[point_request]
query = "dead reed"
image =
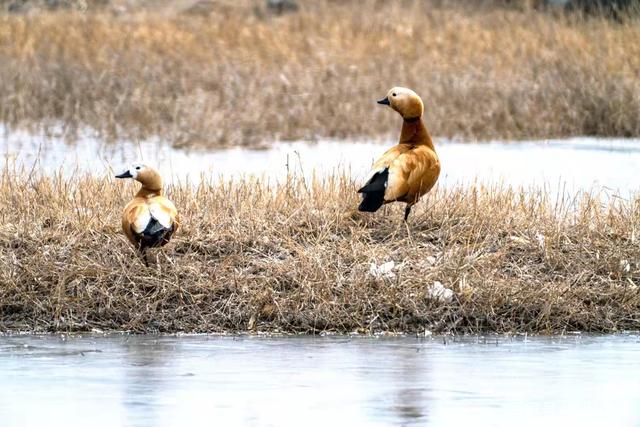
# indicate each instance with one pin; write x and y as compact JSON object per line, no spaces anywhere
{"x":293,"y":259}
{"x":238,"y":77}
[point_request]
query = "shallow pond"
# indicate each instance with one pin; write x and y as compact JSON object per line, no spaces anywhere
{"x":211,"y":380}
{"x":607,"y":166}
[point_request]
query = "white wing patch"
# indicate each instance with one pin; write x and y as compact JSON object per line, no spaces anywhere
{"x":392,"y":179}
{"x":160,"y":215}
{"x":141,"y":221}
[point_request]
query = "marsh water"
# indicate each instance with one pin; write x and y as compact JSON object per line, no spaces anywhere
{"x":597,"y":166}
{"x":109,"y":380}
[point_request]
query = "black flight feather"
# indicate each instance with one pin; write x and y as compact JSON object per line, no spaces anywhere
{"x":155,"y":234}
{"x":373,"y":192}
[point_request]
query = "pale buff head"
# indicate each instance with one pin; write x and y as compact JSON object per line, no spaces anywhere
{"x":145,"y":175}
{"x":404,"y":101}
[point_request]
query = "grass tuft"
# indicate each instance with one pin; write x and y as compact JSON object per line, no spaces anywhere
{"x":296,"y":258}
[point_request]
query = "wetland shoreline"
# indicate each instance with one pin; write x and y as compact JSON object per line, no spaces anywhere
{"x":295,"y":259}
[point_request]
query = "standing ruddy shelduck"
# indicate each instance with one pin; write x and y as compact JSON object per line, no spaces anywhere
{"x":410,"y":169}
{"x":150,"y":219}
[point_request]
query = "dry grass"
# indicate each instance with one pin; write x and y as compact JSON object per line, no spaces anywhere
{"x":288,"y":259}
{"x":240,"y":78}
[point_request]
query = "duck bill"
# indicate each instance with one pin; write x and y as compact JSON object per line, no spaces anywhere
{"x":384,"y":101}
{"x":126,"y":174}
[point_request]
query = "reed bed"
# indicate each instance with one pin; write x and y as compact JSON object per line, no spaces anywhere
{"x":239,"y":76}
{"x":295,"y":258}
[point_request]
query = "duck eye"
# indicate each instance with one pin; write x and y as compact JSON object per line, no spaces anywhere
{"x":393,"y":94}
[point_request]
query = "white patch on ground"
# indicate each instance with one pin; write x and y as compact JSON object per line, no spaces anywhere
{"x":625,"y":266}
{"x":520,"y":241}
{"x":438,"y":292}
{"x":383,"y":271}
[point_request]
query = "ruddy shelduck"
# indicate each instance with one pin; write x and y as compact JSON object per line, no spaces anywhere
{"x":150,"y":219}
{"x":410,"y":169}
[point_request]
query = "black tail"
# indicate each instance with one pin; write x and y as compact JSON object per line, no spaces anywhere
{"x":155,"y":234}
{"x":373,"y":192}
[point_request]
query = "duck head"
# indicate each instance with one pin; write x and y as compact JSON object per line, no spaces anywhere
{"x":405,"y":101}
{"x":145,"y":175}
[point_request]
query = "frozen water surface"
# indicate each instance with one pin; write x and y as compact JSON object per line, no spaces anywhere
{"x":112,"y":380}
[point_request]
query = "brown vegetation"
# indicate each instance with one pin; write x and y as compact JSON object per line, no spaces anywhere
{"x":290,"y":259}
{"x":238,"y":76}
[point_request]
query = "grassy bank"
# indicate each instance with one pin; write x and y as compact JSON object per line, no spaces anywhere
{"x":238,"y":77}
{"x":292,"y":259}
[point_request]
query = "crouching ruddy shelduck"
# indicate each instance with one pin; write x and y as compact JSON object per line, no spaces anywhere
{"x":150,"y":219}
{"x":410,"y":169}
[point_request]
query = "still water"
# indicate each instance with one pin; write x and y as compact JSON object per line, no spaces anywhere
{"x":598,"y":166}
{"x":203,"y":380}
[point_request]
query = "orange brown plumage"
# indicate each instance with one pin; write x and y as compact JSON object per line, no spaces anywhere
{"x":149,"y":219}
{"x":410,"y":169}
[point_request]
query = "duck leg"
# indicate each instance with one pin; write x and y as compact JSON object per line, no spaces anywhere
{"x":407,"y":211}
{"x":143,"y":252}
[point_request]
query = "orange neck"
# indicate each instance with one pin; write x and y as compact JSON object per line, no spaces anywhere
{"x":414,"y":132}
{"x":145,"y":192}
